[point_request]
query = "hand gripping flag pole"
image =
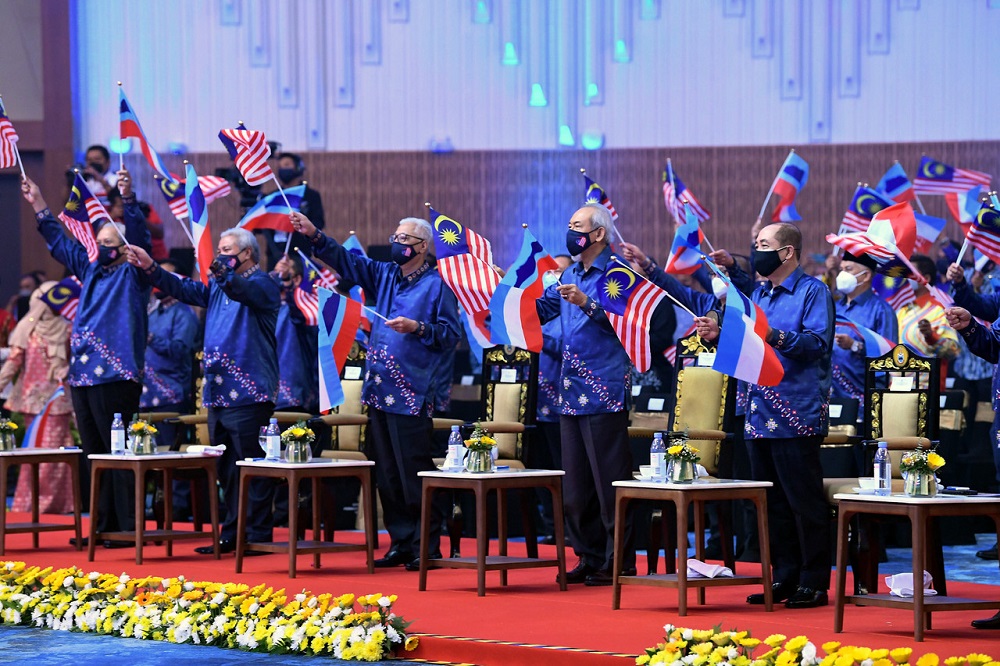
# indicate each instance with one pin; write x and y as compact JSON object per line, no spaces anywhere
{"x":310,"y":262}
{"x":615,"y":259}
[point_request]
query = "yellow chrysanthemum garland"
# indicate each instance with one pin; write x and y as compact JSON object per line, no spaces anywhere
{"x":694,"y":647}
{"x":176,"y":610}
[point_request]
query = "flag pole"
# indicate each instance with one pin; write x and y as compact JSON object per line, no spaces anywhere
{"x":275,"y":179}
{"x":363,"y":306}
{"x":17,"y":154}
{"x":774,"y":182}
{"x":187,"y":232}
{"x":288,"y":241}
{"x":121,"y":155}
{"x":916,"y":197}
{"x":614,"y":227}
{"x":961,"y":253}
{"x":673,"y":188}
{"x":679,"y":304}
{"x":994,"y":200}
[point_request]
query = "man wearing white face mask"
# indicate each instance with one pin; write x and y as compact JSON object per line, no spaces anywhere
{"x":863,"y":307}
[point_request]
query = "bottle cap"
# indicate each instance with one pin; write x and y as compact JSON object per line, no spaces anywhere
{"x":118,"y":415}
{"x":454,"y":428}
{"x":883,"y":445}
{"x":274,"y":420}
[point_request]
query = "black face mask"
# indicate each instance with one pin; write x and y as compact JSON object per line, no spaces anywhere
{"x":230,"y":261}
{"x":765,"y":262}
{"x":403,"y":253}
{"x":96,"y":166}
{"x":578,"y":241}
{"x":287,"y":175}
{"x":107,"y":255}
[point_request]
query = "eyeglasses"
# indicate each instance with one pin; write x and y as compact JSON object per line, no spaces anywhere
{"x":112,"y":246}
{"x":405,"y":239}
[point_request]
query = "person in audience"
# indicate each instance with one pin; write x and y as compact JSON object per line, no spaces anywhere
{"x":97,"y":172}
{"x":785,"y":424}
{"x":108,"y":341}
{"x":39,"y":359}
{"x":403,"y":367}
{"x":297,"y":339}
{"x":595,"y":397}
{"x":19,"y":302}
{"x":291,"y":173}
{"x":241,"y":366}
{"x":922,"y":323}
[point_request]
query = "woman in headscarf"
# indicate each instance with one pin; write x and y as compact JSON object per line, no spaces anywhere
{"x":39,"y":359}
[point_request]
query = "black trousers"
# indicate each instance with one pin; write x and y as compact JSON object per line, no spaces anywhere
{"x":95,"y":408}
{"x":595,"y":453}
{"x":402,"y":445}
{"x":797,"y":511}
{"x":238,"y":428}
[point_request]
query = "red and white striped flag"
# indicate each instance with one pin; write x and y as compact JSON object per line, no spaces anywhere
{"x":935,"y":177}
{"x":629,"y":300}
{"x":213,"y":187}
{"x":8,"y":137}
{"x":249,"y":151}
{"x":80,"y":215}
{"x":308,"y":305}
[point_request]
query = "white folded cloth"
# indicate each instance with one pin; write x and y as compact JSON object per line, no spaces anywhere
{"x":207,"y":450}
{"x":701,"y":470}
{"x":699,"y":569}
{"x":901,"y":585}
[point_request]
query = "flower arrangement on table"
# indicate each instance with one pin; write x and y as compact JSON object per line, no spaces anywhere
{"x":921,"y":461}
{"x":142,"y":427}
{"x":682,"y":451}
{"x":694,"y":647}
{"x":298,"y":442}
{"x":7,"y":427}
{"x":481,"y":439}
{"x":141,"y":434}
{"x":177,"y":610}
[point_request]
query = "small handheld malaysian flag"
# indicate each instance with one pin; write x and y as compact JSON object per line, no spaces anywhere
{"x":935,"y":177}
{"x":80,"y":215}
{"x":629,"y":300}
{"x":249,"y":150}
{"x":64,"y":297}
{"x":596,"y":195}
{"x":8,"y":140}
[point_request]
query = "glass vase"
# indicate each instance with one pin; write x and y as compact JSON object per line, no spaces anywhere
{"x":142,"y":445}
{"x":920,"y":484}
{"x":479,"y":462}
{"x":681,"y":471}
{"x":298,"y":452}
{"x":8,"y":441}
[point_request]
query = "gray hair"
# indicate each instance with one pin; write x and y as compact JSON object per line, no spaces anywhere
{"x":600,"y":217}
{"x":424,"y":229}
{"x":117,"y":225}
{"x":244,"y":239}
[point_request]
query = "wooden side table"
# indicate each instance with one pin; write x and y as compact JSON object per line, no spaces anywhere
{"x":294,"y":473}
{"x":139,"y":465}
{"x":920,"y":511}
{"x":481,"y":485}
{"x":33,"y":458}
{"x":683,"y":495}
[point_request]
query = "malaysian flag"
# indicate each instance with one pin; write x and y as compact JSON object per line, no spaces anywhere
{"x":64,"y":297}
{"x":596,"y":195}
{"x":305,"y":296}
{"x":629,"y":301}
{"x":675,"y":193}
{"x":935,"y":177}
{"x":984,"y":234}
{"x":8,"y":137}
{"x":249,"y":149}
{"x":864,"y":205}
{"x":212,"y":187}
{"x":465,"y":262}
{"x":896,"y":291}
{"x":80,"y":215}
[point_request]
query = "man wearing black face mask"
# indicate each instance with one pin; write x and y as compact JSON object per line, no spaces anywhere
{"x":405,"y":363}
{"x":785,"y":424}
{"x":291,"y":172}
{"x":97,"y":172}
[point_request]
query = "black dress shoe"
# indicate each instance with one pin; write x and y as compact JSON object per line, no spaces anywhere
{"x":604,"y":578}
{"x":225,"y":546}
{"x":989,"y":623}
{"x":779,"y":593}
{"x":547,"y":540}
{"x":579,"y":573}
{"x":807,"y":597}
{"x":84,"y":542}
{"x":414,"y":564}
{"x":988,"y":554}
{"x":118,"y":544}
{"x":394,"y":558}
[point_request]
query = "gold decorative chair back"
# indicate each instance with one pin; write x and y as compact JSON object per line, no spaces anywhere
{"x":352,"y":378}
{"x":704,"y":401}
{"x":510,"y":383}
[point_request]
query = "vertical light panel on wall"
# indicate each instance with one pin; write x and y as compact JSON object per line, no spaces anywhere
{"x":229,"y":12}
{"x":621,"y":30}
{"x":909,"y":5}
{"x":878,"y":27}
{"x":649,"y":10}
{"x":849,"y":48}
{"x":399,"y":11}
{"x":762,"y":29}
{"x":993,"y":4}
{"x":734,"y":8}
{"x":510,"y":32}
{"x":259,"y":28}
{"x":592,"y":52}
{"x":791,"y":49}
{"x":371,"y":29}
{"x":817,"y":20}
{"x":340,"y":54}
{"x":286,"y":26}
{"x":482,"y":11}
{"x":564,"y":52}
{"x":537,"y":46}
{"x":314,"y":86}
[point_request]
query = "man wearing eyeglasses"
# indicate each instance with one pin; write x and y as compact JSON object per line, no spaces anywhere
{"x":404,"y":365}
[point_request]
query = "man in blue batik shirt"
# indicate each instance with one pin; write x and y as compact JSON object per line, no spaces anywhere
{"x":785,"y":424}
{"x":863,"y":307}
{"x":241,"y":367}
{"x":108,"y":342}
{"x":405,"y":365}
{"x":596,"y":394}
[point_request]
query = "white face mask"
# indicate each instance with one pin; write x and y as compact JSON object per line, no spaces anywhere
{"x":549,"y":278}
{"x":719,"y":287}
{"x":846,"y":282}
{"x":913,"y":283}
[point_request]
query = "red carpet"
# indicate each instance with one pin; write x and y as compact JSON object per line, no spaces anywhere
{"x":531,"y":610}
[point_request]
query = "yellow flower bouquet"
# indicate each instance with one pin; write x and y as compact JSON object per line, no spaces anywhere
{"x":140,"y":427}
{"x":921,"y":462}
{"x":298,"y":442}
{"x":7,"y":427}
{"x":481,"y":439}
{"x":481,"y":446}
{"x":140,"y":435}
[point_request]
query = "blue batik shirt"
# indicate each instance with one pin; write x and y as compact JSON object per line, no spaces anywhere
{"x":241,"y":311}
{"x":596,"y":373}
{"x":173,"y":329}
{"x":298,"y":367}
{"x":108,"y":342}
{"x":982,"y":341}
{"x":404,"y":371}
{"x":800,"y":312}
{"x":549,"y":367}
{"x":872,"y":312}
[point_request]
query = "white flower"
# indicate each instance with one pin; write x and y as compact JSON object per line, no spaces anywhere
{"x":183,"y":632}
{"x":93,"y":575}
{"x":188,"y":587}
{"x":732,"y":653}
{"x":119,"y":588}
{"x":668,"y":628}
{"x":218,"y":599}
{"x":687,"y":634}
{"x":689,"y":659}
{"x":68,"y":581}
{"x":384,"y":602}
{"x":253,"y":608}
{"x":867,"y":662}
{"x":99,"y":370}
{"x":300,"y":597}
{"x":124,"y":578}
{"x":809,"y":654}
{"x":393,"y":635}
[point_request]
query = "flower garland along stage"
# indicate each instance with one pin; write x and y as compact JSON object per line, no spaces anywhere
{"x":693,"y":647}
{"x":176,"y":610}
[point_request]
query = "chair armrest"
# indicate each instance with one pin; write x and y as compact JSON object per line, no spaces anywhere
{"x":287,"y":418}
{"x":341,"y":419}
{"x":192,"y":419}
{"x":159,"y":417}
{"x":446,"y":424}
{"x":904,"y":443}
{"x":503,"y":427}
{"x":707,"y":434}
{"x":641,"y":432}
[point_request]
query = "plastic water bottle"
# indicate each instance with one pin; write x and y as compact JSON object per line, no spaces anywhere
{"x":658,"y":457}
{"x":273,"y":441}
{"x":455,"y":446}
{"x":118,"y":435}
{"x":883,"y":470}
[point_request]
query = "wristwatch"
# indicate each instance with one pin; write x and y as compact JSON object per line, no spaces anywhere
{"x":855,"y":346}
